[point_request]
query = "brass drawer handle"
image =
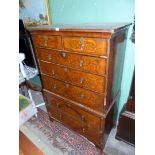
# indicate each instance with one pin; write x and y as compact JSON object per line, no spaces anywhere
{"x":65,"y":69}
{"x":81,"y":43}
{"x":64,"y":55}
{"x":53,"y":72}
{"x":81,"y":40}
{"x":81,"y":63}
{"x":81,"y":80}
{"x":67,"y":85}
{"x":83,"y":130}
{"x":45,"y":42}
{"x":55,"y":86}
{"x":100,"y":131}
{"x":82,"y":95}
{"x":82,"y":118}
{"x":49,"y":57}
{"x":82,"y":46}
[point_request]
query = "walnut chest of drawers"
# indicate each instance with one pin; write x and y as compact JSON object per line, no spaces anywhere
{"x":81,"y":70}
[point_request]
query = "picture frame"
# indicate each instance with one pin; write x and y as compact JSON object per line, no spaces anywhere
{"x":35,"y":13}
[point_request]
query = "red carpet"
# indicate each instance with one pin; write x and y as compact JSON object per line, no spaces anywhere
{"x":63,"y":138}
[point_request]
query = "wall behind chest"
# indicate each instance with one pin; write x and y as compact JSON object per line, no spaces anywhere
{"x":90,"y":11}
{"x":99,"y":11}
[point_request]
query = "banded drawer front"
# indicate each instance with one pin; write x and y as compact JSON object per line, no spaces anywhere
{"x":95,"y":46}
{"x":84,"y":63}
{"x":86,"y":80}
{"x":54,"y":42}
{"x":73,"y":116}
{"x":66,"y":119}
{"x":74,"y":93}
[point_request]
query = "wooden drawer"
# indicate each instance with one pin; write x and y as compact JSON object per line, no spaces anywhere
{"x":84,"y":63}
{"x":86,"y":80}
{"x":95,"y":46}
{"x":65,"y":118}
{"x":71,"y":115}
{"x":54,"y":42}
{"x":74,"y":93}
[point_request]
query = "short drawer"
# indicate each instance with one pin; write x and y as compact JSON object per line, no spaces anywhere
{"x":94,"y":46}
{"x":54,"y":42}
{"x":77,"y":94}
{"x":86,"y":80}
{"x":84,"y":63}
{"x":71,"y":115}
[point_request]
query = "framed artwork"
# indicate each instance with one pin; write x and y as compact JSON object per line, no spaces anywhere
{"x":34,"y":12}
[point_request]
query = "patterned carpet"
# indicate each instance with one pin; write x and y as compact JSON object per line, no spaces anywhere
{"x":67,"y":141}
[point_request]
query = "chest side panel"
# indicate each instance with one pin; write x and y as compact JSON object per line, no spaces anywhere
{"x":115,"y":67}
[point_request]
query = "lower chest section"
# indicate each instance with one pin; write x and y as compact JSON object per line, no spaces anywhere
{"x":75,"y":117}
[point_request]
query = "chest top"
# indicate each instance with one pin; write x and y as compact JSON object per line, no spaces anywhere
{"x":105,"y":30}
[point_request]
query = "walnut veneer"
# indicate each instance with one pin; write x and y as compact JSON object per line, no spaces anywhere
{"x":81,"y":69}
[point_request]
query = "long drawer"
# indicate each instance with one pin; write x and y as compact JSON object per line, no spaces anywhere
{"x":74,"y":93}
{"x":73,"y":116}
{"x":92,"y":82}
{"x":84,"y":63}
{"x":94,"y":46}
{"x":54,"y":42}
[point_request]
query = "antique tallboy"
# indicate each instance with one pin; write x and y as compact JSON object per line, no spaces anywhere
{"x":81,"y":69}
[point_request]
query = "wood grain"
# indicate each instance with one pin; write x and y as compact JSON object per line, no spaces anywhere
{"x":85,"y":80}
{"x":74,"y":93}
{"x":26,"y":147}
{"x":94,"y":46}
{"x":81,"y":62}
{"x":54,"y":42}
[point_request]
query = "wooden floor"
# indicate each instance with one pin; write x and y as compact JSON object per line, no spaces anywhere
{"x":26,"y":147}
